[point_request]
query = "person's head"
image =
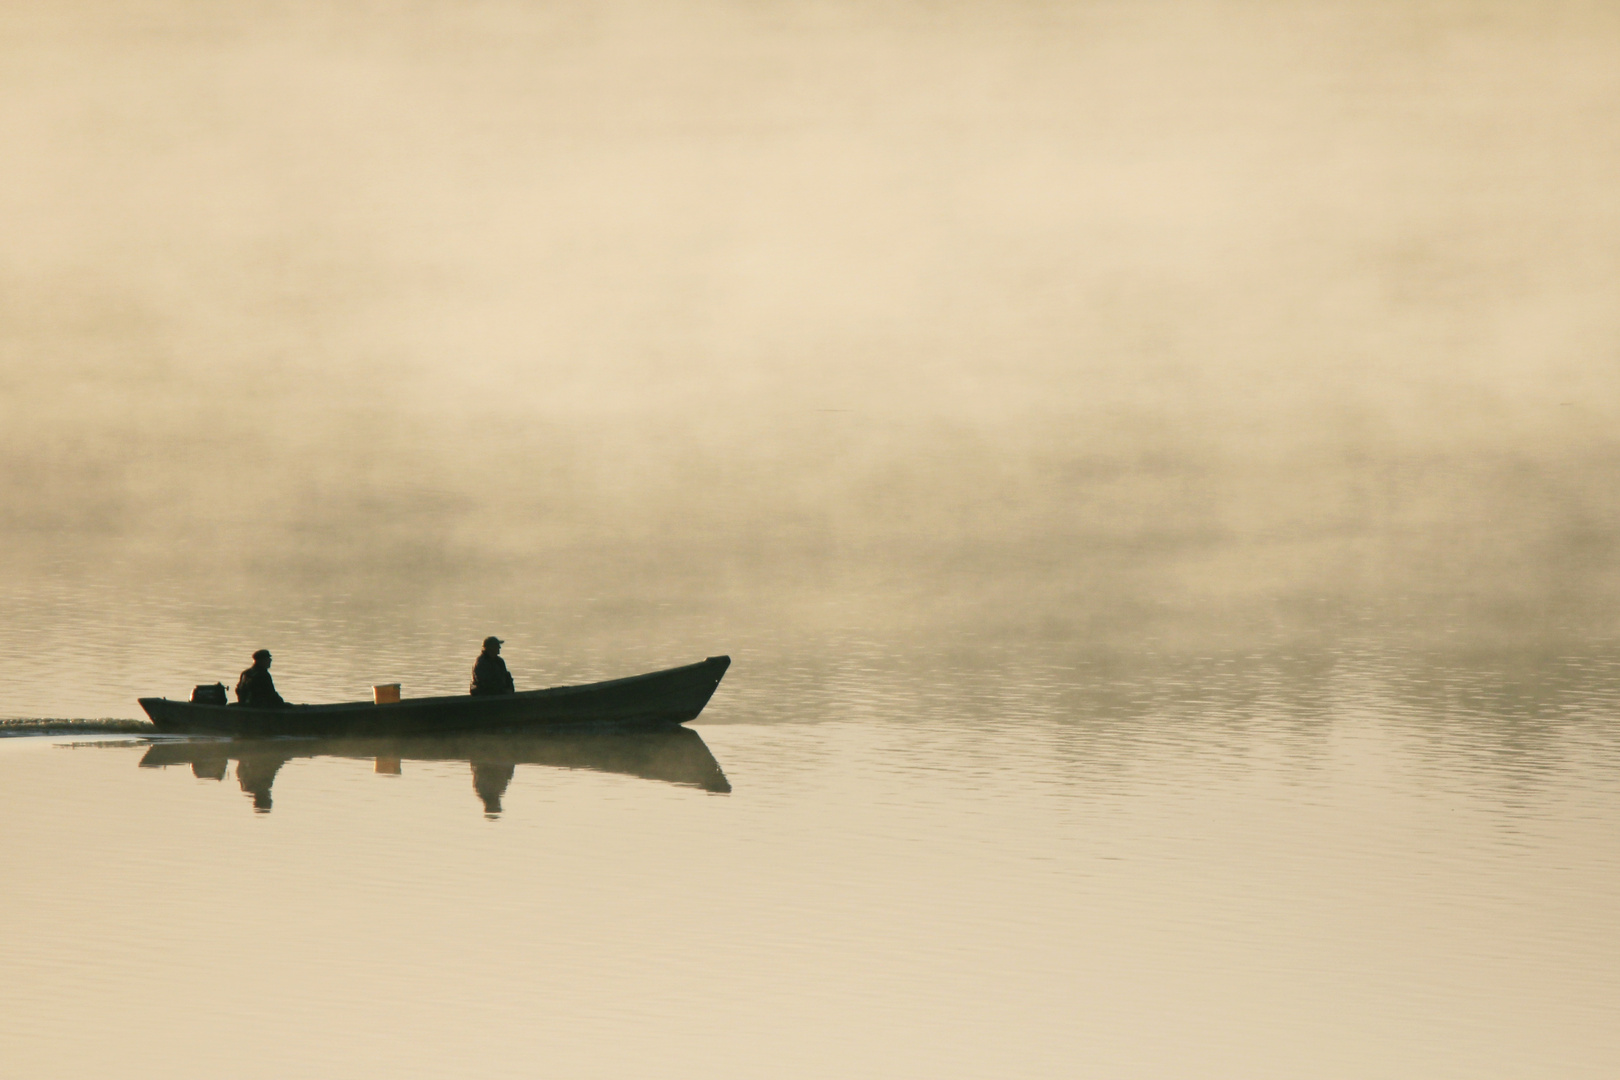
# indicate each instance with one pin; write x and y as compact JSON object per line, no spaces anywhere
{"x":492,"y":644}
{"x":262,"y":658}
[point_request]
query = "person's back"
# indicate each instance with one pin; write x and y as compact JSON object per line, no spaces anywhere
{"x":489,"y":675}
{"x":255,"y":688}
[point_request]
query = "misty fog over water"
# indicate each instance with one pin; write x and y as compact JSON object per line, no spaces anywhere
{"x":1192,"y":327}
{"x":1056,"y":403}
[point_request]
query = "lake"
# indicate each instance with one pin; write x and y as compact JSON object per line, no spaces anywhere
{"x":875,"y":860}
{"x":1154,"y":472}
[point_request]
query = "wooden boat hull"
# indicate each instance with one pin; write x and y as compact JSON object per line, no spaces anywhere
{"x":658,"y":698}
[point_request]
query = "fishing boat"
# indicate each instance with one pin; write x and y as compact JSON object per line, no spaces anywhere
{"x":658,"y":698}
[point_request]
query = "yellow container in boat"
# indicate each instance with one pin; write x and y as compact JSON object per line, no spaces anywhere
{"x":386,"y":694}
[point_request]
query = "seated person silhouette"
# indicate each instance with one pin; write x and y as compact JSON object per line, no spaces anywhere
{"x":255,"y":688}
{"x":489,"y":673}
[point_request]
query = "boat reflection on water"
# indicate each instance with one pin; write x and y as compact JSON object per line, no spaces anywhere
{"x":673,"y":755}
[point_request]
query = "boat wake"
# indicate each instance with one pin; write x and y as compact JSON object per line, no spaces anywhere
{"x":10,"y":729}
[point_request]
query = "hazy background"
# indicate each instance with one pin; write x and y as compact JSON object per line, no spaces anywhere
{"x":946,"y":334}
{"x":1153,"y":465}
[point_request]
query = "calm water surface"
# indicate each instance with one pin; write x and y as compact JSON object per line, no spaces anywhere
{"x":1249,"y":878}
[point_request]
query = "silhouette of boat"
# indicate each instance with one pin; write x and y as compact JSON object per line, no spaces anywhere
{"x":658,"y":698}
{"x":673,"y":755}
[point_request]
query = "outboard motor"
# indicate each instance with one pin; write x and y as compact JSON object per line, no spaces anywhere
{"x":209,"y":694}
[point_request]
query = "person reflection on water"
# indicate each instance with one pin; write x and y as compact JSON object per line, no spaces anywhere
{"x":255,"y":688}
{"x":256,"y":773}
{"x":489,"y":673}
{"x":490,"y":779}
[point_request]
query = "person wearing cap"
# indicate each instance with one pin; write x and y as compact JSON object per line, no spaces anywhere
{"x":255,"y":688}
{"x":489,"y":673}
